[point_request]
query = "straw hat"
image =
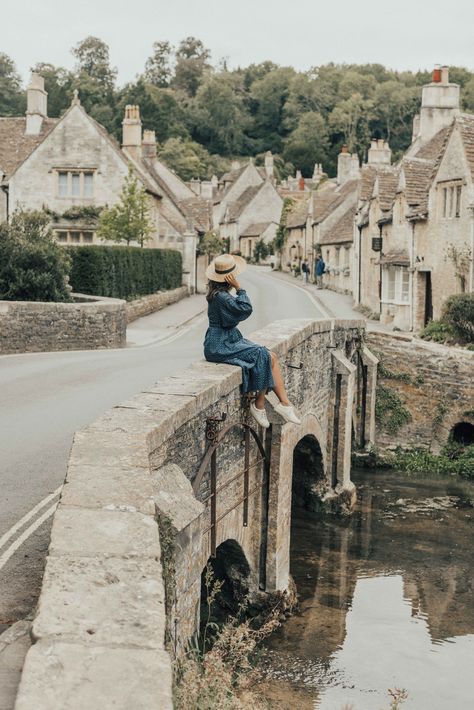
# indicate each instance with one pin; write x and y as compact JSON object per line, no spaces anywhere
{"x":223,"y":265}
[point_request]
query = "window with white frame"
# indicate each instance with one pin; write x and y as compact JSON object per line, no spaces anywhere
{"x":74,"y":236}
{"x":395,"y":284}
{"x":75,"y":183}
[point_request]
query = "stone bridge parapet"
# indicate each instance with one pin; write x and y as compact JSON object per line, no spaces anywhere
{"x":186,"y":453}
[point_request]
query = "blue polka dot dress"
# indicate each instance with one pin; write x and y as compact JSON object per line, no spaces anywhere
{"x":225,"y":343}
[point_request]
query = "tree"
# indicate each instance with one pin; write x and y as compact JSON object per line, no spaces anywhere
{"x":58,"y":82}
{"x":128,"y":220}
{"x":211,"y":244}
{"x":189,"y":159}
{"x":33,"y":267}
{"x":269,"y":96}
{"x":191,"y":65}
{"x":12,"y":100}
{"x":92,"y":56}
{"x":160,"y":109}
{"x":158,"y":67}
{"x":261,"y":250}
{"x":221,"y":115}
{"x":350,"y":118}
{"x":308,"y":144}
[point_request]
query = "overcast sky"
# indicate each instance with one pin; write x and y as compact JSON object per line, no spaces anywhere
{"x":402,"y":34}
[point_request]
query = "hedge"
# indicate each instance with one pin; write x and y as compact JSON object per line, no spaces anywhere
{"x":458,"y":313}
{"x":124,"y":272}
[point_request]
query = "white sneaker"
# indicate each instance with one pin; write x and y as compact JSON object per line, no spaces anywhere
{"x":259,"y":415}
{"x":288,"y":413}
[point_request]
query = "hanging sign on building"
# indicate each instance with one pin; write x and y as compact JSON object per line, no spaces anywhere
{"x":376,"y":243}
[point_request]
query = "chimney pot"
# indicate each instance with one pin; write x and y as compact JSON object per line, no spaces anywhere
{"x":445,"y":75}
{"x":436,"y":75}
{"x":37,"y":104}
{"x":132,"y":131}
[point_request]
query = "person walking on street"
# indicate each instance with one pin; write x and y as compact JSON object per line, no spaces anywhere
{"x":319,"y":269}
{"x":304,"y":271}
{"x":225,"y":343}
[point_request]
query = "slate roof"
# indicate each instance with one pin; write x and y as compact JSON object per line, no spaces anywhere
{"x":237,"y":207}
{"x":434,"y":148}
{"x":368,"y":174}
{"x":256,"y":230}
{"x":233,"y":175}
{"x":198,"y":211}
{"x":387,"y":180}
{"x":342,"y":231}
{"x":466,"y":126}
{"x":329,"y":198}
{"x":15,"y":146}
{"x":418,"y":174}
{"x":298,"y":215}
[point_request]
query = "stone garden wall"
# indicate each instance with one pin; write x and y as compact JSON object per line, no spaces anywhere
{"x":434,"y":385}
{"x":154,"y":302}
{"x":89,"y":323}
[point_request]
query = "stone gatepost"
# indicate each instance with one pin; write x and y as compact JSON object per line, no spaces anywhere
{"x":189,"y":259}
{"x":340,"y":423}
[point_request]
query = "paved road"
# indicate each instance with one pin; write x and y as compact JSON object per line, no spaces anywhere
{"x":45,"y":397}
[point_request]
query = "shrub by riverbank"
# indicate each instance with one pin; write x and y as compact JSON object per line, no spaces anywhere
{"x":453,"y":460}
{"x":124,"y":272}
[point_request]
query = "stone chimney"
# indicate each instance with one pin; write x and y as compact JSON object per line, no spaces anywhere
{"x":235,"y":165}
{"x":149,"y":145}
{"x":206,"y":190}
{"x":132,"y":131}
{"x":36,"y":105}
{"x":344,"y":165}
{"x":379,"y":152}
{"x":269,"y":164}
{"x":214,"y":182}
{"x":439,"y":104}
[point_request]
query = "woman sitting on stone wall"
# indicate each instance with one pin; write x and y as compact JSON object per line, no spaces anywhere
{"x":225,"y":343}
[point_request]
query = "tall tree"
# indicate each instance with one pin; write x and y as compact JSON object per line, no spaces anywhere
{"x":192,"y":62}
{"x":221,"y":114}
{"x":269,"y":96}
{"x":158,"y":67}
{"x":12,"y":100}
{"x":95,"y":80}
{"x":308,"y":144}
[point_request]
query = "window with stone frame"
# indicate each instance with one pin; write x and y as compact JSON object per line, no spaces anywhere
{"x":395,"y":284}
{"x":451,"y":195}
{"x":77,"y":184}
{"x":74,"y":236}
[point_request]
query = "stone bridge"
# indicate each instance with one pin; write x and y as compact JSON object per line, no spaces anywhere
{"x":182,"y":464}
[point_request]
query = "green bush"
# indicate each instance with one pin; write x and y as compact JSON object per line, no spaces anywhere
{"x":458,"y":313}
{"x":33,"y":267}
{"x":124,"y":272}
{"x":437,"y":331}
{"x":453,"y":460}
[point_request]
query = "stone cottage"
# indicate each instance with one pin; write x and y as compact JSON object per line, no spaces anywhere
{"x":72,"y":167}
{"x":247,"y":200}
{"x":415,"y":220}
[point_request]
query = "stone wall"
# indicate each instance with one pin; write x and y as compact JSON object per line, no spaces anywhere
{"x":154,"y":302}
{"x":88,"y":324}
{"x":434,"y":382}
{"x":99,"y":630}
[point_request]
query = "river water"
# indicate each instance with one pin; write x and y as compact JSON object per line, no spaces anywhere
{"x":386,"y":599}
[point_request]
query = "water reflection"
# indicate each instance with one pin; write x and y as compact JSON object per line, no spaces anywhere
{"x":387,"y":599}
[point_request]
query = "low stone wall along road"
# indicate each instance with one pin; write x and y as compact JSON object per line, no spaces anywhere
{"x":46,"y":397}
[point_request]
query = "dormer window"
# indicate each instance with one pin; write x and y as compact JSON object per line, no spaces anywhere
{"x":75,"y":184}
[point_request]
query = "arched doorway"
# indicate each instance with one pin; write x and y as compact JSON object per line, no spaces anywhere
{"x":309,"y":480}
{"x":225,"y":585}
{"x":462,"y":433}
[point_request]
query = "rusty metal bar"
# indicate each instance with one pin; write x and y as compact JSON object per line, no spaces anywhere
{"x":213,"y":502}
{"x":229,"y":510}
{"x":231,"y":480}
{"x":246,"y":478}
{"x":265,"y":510}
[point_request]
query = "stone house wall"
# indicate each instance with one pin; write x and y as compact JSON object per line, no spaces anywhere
{"x":250,"y":176}
{"x":438,"y":396}
{"x":89,"y":324}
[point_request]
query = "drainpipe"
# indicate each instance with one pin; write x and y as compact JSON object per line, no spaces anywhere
{"x":380,"y":271}
{"x":359,"y":289}
{"x":7,"y":202}
{"x":471,"y":273}
{"x":412,"y":277}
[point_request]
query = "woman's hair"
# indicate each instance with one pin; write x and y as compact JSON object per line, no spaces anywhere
{"x":215,"y":287}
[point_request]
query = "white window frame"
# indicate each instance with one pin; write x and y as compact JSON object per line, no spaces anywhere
{"x":451,"y":195}
{"x":400,"y":278}
{"x":69,"y":172}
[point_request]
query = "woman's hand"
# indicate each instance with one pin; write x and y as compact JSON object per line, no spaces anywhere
{"x":230,"y":278}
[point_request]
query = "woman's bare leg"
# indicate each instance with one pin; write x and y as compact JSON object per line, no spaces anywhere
{"x":279,"y":386}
